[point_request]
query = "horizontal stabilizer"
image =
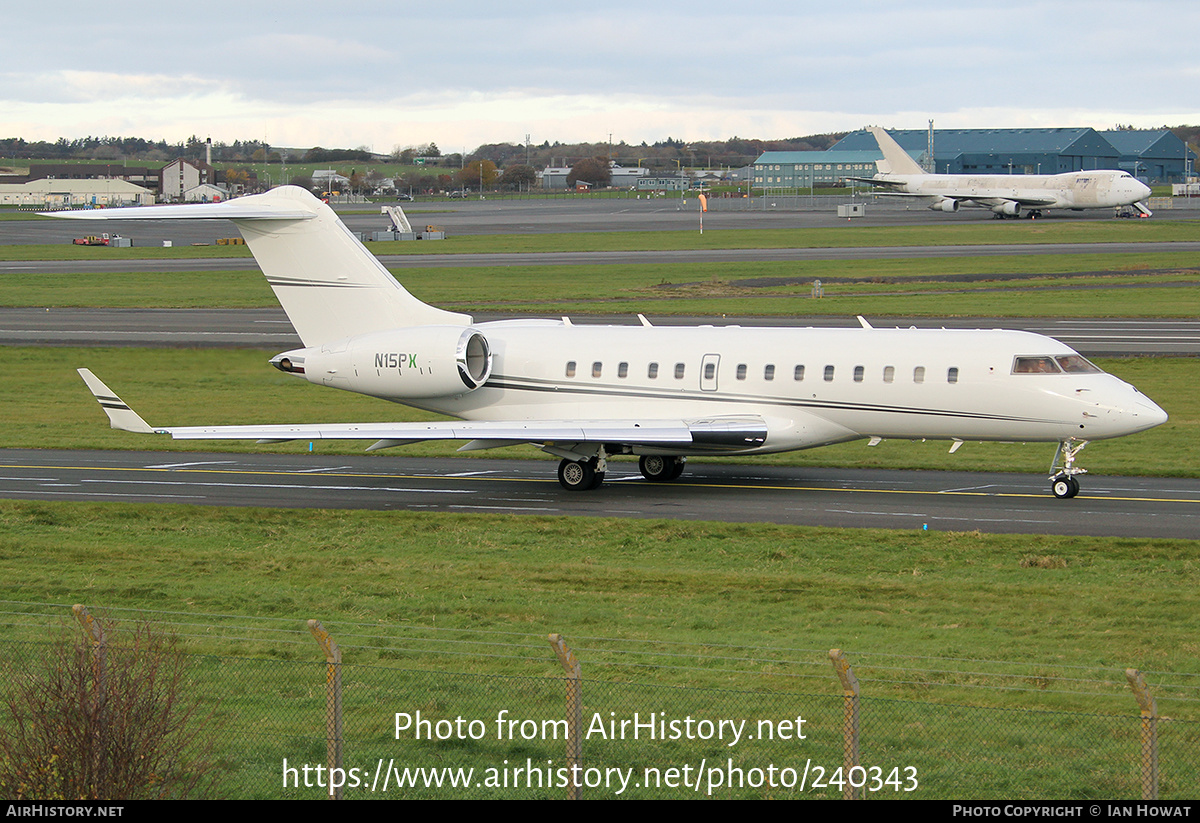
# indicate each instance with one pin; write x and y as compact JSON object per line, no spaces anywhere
{"x":246,"y":208}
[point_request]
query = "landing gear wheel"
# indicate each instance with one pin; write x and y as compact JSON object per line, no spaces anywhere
{"x":659,"y":468}
{"x":1064,"y":487}
{"x":579,"y":475}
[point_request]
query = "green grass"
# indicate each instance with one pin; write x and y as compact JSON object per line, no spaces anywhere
{"x":1156,"y":285}
{"x":1111,"y":602}
{"x":178,"y":387}
{"x":448,"y":614}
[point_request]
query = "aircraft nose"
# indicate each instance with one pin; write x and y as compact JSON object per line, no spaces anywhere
{"x":1142,"y":191}
{"x":1149,"y":414}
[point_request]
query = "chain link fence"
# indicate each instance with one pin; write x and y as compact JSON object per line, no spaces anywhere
{"x":431,"y":713}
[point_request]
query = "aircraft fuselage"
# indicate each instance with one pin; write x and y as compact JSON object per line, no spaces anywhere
{"x":813,"y":387}
{"x":1069,"y":190}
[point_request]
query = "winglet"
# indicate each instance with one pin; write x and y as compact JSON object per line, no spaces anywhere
{"x":120,"y":416}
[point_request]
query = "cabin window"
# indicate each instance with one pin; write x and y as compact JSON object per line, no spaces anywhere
{"x":859,"y":371}
{"x":829,"y":374}
{"x":622,"y":370}
{"x":679,"y":371}
{"x":597,"y":367}
{"x":798,"y":373}
{"x":919,"y":374}
{"x":952,"y":375}
{"x":741,"y":371}
{"x":889,"y":374}
{"x":710,"y":371}
{"x":769,"y":372}
{"x":652,"y":372}
{"x":570,"y":368}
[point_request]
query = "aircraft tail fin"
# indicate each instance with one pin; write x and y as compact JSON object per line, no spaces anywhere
{"x":897,"y":158}
{"x":329,"y":284}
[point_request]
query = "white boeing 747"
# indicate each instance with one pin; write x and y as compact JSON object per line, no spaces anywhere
{"x":586,"y":393}
{"x":1004,"y":194}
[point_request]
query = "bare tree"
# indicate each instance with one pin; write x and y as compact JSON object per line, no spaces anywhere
{"x":106,"y":722}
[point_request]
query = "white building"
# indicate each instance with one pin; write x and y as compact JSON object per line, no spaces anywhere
{"x":49,"y":193}
{"x":180,"y":175}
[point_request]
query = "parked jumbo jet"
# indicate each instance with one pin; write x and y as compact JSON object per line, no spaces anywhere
{"x":1004,"y":194}
{"x":586,"y":393}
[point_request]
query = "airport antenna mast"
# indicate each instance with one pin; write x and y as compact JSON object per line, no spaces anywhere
{"x":930,"y":166}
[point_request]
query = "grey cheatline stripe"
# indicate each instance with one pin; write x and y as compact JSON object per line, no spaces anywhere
{"x":284,"y":281}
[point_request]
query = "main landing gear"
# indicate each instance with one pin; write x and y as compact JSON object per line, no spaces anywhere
{"x":580,"y":475}
{"x":585,"y":475}
{"x":657,"y":468}
{"x":1062,"y":479}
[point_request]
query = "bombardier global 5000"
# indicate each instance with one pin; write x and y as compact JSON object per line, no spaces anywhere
{"x":587,"y":393}
{"x":1004,"y":194}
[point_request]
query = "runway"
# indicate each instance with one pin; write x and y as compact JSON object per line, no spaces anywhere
{"x":939,"y":501}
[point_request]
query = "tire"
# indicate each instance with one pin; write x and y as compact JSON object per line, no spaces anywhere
{"x":657,"y":468}
{"x":1064,"y":487}
{"x":578,"y":475}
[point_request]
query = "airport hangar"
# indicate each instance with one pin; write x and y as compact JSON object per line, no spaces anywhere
{"x":1153,"y":156}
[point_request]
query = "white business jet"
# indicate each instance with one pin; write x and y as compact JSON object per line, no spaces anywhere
{"x":1004,"y":194}
{"x":586,"y":393}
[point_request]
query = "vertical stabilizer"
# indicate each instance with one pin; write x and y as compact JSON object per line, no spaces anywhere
{"x":897,"y":158}
{"x":328,"y":283}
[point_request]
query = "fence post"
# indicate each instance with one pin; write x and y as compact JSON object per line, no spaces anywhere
{"x":850,"y":707}
{"x":574,"y":712}
{"x":333,"y":701}
{"x":1149,"y":749}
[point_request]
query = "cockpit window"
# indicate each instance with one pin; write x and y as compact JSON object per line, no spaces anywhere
{"x":1075,"y":364}
{"x":1035,"y":365}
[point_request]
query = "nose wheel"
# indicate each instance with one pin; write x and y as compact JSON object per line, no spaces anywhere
{"x":1064,"y":486}
{"x":1062,"y":478}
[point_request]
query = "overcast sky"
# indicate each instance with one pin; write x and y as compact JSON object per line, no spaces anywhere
{"x":465,"y":72}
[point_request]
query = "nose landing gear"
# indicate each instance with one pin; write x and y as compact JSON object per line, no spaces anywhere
{"x":1063,"y":484}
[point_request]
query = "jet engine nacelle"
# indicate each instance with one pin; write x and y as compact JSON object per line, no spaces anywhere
{"x":948,"y":204}
{"x":412,"y":363}
{"x":1008,"y":208}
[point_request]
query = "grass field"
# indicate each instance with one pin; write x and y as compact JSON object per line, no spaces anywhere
{"x":1154,"y":285}
{"x":449,"y":614}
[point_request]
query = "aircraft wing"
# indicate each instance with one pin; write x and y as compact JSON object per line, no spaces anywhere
{"x":717,"y":433}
